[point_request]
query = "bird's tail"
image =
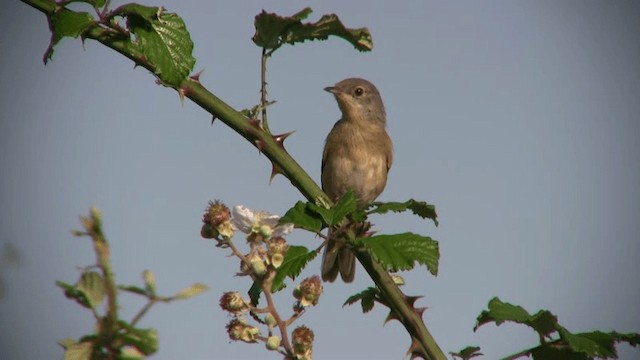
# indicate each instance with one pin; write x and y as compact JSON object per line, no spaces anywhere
{"x":338,"y":258}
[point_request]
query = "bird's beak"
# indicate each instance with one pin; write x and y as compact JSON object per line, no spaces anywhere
{"x":331,"y":89}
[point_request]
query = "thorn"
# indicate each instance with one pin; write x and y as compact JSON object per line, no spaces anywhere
{"x":275,"y":169}
{"x":414,"y":349}
{"x":213,"y":118}
{"x":181,"y":94}
{"x":279,"y":139}
{"x":412,"y":299}
{"x":196,"y":77}
{"x":260,"y":145}
{"x":255,"y":123}
{"x":391,"y":316}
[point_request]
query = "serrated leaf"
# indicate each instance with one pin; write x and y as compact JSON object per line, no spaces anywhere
{"x":401,"y":251}
{"x":92,"y":285}
{"x":133,"y":289}
{"x":586,"y":345}
{"x":149,"y":281}
{"x":254,"y":292}
{"x":66,"y":342}
{"x":543,"y":322}
{"x":66,"y":23}
{"x":345,"y":206}
{"x":145,"y":340}
{"x":79,"y":351}
{"x":295,"y":260}
{"x":420,"y":208}
{"x":467,"y":353}
{"x":191,"y":291}
{"x":71,"y":292}
{"x":301,"y":216}
{"x":272,"y":30}
{"x":554,"y":353}
{"x":366,"y":297}
{"x":163,"y":39}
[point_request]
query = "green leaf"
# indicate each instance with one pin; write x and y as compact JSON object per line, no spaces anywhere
{"x":543,"y":322}
{"x":347,"y":205}
{"x":66,"y":342}
{"x":467,"y":353}
{"x":71,"y":292}
{"x":79,"y":351}
{"x":145,"y":340}
{"x":191,"y":291}
{"x":554,"y":353}
{"x":302,"y":217}
{"x":134,"y":289}
{"x":163,"y":39}
{"x":272,"y":30}
{"x":401,"y":251}
{"x":66,"y":23}
{"x":295,"y":260}
{"x":149,"y":281}
{"x":92,"y":285}
{"x":367,"y":299}
{"x":420,"y":208}
{"x":254,"y":292}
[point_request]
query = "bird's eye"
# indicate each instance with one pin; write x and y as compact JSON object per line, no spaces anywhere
{"x":359,"y":91}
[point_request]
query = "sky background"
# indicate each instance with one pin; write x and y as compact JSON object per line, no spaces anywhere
{"x":519,"y":120}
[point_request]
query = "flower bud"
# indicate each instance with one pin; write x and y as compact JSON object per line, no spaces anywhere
{"x":302,"y":341}
{"x":270,"y":320}
{"x":233,"y":302}
{"x":239,"y":330}
{"x":216,"y":214}
{"x":309,"y":291}
{"x":277,"y":249}
{"x":273,"y":343}
{"x":257,"y":265}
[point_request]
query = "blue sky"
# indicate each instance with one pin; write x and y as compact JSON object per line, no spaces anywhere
{"x":519,"y":120}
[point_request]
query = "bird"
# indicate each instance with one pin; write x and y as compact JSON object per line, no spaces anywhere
{"x":357,"y":156}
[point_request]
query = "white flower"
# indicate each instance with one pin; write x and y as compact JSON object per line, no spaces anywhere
{"x":250,"y":221}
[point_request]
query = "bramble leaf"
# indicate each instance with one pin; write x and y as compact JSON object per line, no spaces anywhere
{"x":401,"y":251}
{"x":420,"y":208}
{"x":191,"y":291}
{"x":295,"y":260}
{"x":302,"y":217}
{"x":367,"y":298}
{"x":163,"y":39}
{"x":543,"y":322}
{"x":65,"y":23}
{"x":467,"y":353}
{"x":272,"y":30}
{"x":91,"y":284}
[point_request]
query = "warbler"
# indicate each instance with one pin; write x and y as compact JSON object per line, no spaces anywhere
{"x":357,"y":155}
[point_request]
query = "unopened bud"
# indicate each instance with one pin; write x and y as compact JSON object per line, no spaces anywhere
{"x":302,"y":340}
{"x":233,"y":302}
{"x":273,"y":343}
{"x":309,"y":291}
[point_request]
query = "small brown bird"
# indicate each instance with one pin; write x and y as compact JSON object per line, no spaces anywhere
{"x":357,"y":155}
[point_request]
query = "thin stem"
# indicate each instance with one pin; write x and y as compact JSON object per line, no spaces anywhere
{"x":263,"y":90}
{"x":143,"y":311}
{"x":282,"y":326}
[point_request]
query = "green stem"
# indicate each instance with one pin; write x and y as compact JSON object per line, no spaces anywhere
{"x":285,"y":164}
{"x":263,"y":89}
